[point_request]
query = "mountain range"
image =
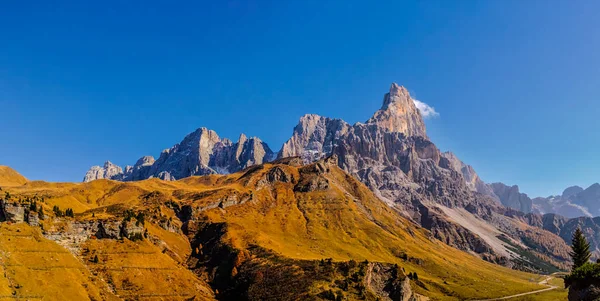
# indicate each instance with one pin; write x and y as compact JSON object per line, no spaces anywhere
{"x":392,"y":155}
{"x":238,"y":221}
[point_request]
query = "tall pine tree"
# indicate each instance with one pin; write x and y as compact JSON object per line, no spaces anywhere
{"x":580,"y":249}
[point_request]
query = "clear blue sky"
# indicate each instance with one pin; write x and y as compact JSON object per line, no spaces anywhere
{"x":516,"y":83}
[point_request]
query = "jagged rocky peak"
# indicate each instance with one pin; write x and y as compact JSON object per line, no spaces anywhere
{"x":314,"y":137}
{"x":107,"y":171}
{"x":399,"y":113}
{"x":201,"y":152}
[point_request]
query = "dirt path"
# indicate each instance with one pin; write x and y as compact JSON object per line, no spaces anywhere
{"x":543,"y":282}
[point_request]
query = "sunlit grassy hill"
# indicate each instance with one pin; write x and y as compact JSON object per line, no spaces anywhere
{"x":266,"y":232}
{"x":10,"y":177}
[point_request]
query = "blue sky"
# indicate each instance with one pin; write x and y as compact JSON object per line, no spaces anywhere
{"x":516,"y":83}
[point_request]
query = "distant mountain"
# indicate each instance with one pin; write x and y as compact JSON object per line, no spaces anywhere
{"x":202,"y":152}
{"x":574,"y":202}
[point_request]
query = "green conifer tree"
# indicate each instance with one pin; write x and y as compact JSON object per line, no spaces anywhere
{"x":580,"y":249}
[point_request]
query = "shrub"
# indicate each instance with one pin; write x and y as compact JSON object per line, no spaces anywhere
{"x":587,"y":274}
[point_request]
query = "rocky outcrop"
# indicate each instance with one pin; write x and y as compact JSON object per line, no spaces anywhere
{"x":202,"y":152}
{"x":12,"y":212}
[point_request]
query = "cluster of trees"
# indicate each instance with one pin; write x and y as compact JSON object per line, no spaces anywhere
{"x":60,"y":213}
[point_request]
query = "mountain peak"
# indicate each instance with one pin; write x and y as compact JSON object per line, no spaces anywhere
{"x":396,"y":92}
{"x":399,"y":113}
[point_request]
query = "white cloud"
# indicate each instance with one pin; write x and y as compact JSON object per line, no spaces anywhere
{"x":425,"y":109}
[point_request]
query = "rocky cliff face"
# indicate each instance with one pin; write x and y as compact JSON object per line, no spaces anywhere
{"x":200,"y":153}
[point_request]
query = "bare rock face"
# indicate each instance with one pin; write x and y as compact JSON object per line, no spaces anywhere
{"x":11,"y":212}
{"x":399,"y":113}
{"x":202,"y":152}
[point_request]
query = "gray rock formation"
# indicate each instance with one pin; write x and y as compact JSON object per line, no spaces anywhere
{"x":511,"y":197}
{"x":202,"y":152}
{"x":11,"y":212}
{"x":314,"y":137}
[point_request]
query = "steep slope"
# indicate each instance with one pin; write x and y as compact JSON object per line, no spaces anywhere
{"x":263,"y":233}
{"x":10,"y":177}
{"x":202,"y":152}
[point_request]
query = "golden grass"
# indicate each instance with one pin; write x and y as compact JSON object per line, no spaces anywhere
{"x":140,"y":269}
{"x":343,"y":222}
{"x":37,"y":268}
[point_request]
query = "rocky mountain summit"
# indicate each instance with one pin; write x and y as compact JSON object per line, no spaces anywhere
{"x":202,"y":152}
{"x":399,"y":113}
{"x":392,"y":155}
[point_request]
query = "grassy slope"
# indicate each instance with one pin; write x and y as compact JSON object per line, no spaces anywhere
{"x":34,"y":267}
{"x":9,"y":177}
{"x":339,"y":223}
{"x":344,"y":222}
